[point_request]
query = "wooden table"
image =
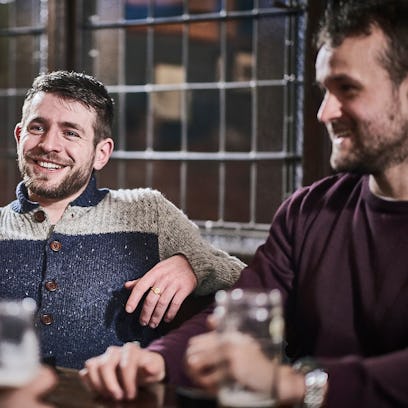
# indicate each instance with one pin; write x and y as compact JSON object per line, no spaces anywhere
{"x":70,"y":393}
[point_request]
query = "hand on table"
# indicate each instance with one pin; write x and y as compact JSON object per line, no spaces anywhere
{"x":119,"y":371}
{"x":212,"y":358}
{"x":168,"y":283}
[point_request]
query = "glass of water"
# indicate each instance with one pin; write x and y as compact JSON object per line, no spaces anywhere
{"x":256,"y":315}
{"x":19,"y":345}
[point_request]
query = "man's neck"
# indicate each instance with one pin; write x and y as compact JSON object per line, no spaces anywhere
{"x":392,"y":184}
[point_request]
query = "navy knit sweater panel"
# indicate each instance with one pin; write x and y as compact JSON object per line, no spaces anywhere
{"x":76,"y":278}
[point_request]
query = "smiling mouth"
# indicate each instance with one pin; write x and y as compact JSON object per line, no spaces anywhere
{"x":343,"y":133}
{"x":339,"y":130}
{"x":338,"y":136}
{"x":48,"y":165}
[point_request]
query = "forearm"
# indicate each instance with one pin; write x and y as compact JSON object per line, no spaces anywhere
{"x":173,"y":345}
{"x":214,"y":269}
{"x":367,"y":382}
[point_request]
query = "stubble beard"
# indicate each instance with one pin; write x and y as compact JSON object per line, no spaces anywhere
{"x":375,"y":148}
{"x":71,"y":184}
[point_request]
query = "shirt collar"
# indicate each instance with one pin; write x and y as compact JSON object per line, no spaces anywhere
{"x":90,"y":197}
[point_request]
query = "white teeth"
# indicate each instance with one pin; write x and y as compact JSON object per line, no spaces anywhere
{"x":342,"y":134}
{"x":48,"y":165}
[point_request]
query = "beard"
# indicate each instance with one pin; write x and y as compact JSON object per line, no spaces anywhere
{"x":37,"y":184}
{"x":377,"y":146}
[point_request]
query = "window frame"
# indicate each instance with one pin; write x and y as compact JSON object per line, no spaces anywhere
{"x":310,"y":146}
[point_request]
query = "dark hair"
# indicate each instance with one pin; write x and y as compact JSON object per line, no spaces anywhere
{"x":350,"y":18}
{"x":81,"y":88}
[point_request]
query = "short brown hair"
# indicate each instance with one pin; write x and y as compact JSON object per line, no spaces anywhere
{"x":81,"y":88}
{"x":349,"y":18}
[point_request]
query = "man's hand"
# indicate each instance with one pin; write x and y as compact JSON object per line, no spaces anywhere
{"x":118,"y":372}
{"x":168,"y":283}
{"x":211,"y":358}
{"x":205,"y":361}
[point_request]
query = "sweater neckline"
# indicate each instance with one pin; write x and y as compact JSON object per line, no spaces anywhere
{"x":90,"y":197}
{"x":380,"y":204}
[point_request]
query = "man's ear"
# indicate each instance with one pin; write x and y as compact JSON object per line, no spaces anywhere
{"x":17,"y":132}
{"x":103,"y":152}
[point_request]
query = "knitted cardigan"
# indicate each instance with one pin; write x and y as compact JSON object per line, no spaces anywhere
{"x":75,"y":270}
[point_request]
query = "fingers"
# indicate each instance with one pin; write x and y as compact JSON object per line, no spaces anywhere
{"x":166,"y":286}
{"x":209,"y":378}
{"x":151,"y":368}
{"x":100,"y":374}
{"x":175,"y":305}
{"x":117,"y":373}
{"x":155,"y":305}
{"x":205,"y":362}
{"x":139,"y":288}
{"x":129,"y":362}
{"x":246,"y":362}
{"x":212,"y":321}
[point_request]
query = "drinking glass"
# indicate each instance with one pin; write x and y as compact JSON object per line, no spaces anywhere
{"x":257,"y":314}
{"x":19,"y":345}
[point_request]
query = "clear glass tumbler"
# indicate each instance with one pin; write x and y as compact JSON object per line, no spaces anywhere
{"x":19,"y":345}
{"x":254,"y":316}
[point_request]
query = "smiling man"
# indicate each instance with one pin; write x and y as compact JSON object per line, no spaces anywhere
{"x":367,"y":137}
{"x":104,"y":266}
{"x":57,"y":151}
{"x":337,"y":250}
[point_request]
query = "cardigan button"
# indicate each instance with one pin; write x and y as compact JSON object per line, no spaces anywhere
{"x":51,"y":285}
{"x":55,"y":245}
{"x":39,"y":216}
{"x":47,"y":319}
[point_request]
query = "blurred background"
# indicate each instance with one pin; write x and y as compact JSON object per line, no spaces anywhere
{"x":215,"y":99}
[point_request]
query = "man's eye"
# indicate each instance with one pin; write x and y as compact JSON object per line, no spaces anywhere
{"x":70,"y":133}
{"x":36,"y":129}
{"x":348,"y":88}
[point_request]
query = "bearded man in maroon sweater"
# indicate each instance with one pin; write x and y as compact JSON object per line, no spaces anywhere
{"x":337,"y":250}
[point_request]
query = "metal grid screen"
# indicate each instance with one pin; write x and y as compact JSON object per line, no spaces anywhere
{"x":208,"y":97}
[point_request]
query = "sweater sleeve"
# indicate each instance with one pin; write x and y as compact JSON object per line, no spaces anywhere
{"x":354,"y":380}
{"x":214,"y":268}
{"x":373,"y":382}
{"x":363,"y":380}
{"x":173,"y":345}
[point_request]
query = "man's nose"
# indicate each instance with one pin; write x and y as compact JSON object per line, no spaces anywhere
{"x":51,"y":141}
{"x":330,"y":109}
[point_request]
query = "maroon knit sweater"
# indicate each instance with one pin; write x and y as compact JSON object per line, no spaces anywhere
{"x":339,"y":255}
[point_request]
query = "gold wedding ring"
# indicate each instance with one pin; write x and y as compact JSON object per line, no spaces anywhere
{"x":156,"y":290}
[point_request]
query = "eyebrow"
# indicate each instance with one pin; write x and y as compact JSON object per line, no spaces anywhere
{"x":337,"y":78}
